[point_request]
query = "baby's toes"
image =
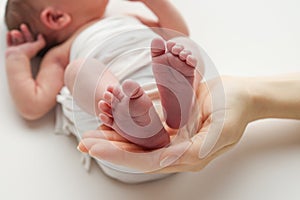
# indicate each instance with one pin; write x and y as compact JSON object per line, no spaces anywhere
{"x":108,"y":97}
{"x":106,"y":120}
{"x":191,"y":60}
{"x":117,"y":93}
{"x":170,"y":45}
{"x":132,"y":89}
{"x":110,"y":88}
{"x":157,"y":47}
{"x":184,"y":54}
{"x":105,"y":108}
{"x":177,"y":49}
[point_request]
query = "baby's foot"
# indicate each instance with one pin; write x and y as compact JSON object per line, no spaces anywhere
{"x":174,"y":71}
{"x":131,"y":114}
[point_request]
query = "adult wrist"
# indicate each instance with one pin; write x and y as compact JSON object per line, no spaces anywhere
{"x":275,"y":97}
{"x":150,"y":3}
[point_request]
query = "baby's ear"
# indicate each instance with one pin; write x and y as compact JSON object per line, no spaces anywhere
{"x":55,"y":19}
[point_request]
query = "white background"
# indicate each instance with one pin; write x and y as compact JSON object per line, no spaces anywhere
{"x":257,"y":37}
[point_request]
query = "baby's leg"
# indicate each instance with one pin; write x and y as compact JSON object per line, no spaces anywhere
{"x":131,"y":113}
{"x":87,"y":81}
{"x":174,"y":70}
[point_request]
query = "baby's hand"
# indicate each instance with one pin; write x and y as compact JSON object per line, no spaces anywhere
{"x":22,"y":42}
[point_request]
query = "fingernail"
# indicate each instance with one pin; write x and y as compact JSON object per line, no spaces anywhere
{"x":79,"y":148}
{"x":168,"y":161}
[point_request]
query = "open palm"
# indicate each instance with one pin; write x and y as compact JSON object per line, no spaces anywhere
{"x":224,"y":114}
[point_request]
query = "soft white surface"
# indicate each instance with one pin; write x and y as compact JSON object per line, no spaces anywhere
{"x":257,"y":37}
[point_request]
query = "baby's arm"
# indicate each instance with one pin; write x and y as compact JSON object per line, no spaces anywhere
{"x":168,"y":16}
{"x":33,"y":97}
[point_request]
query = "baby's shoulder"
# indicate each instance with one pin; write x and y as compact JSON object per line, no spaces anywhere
{"x":59,"y":53}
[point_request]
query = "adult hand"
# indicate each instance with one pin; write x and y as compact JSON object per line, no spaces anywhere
{"x":221,"y":126}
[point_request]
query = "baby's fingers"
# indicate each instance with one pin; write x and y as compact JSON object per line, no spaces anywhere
{"x":26,"y":33}
{"x":9,"y":39}
{"x":40,"y":42}
{"x":16,"y":37}
{"x":32,"y":48}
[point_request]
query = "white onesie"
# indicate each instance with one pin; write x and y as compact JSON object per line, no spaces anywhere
{"x":122,"y":44}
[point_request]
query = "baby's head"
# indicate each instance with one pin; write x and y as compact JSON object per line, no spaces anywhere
{"x":57,"y":20}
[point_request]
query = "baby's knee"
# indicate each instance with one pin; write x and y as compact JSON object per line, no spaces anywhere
{"x":71,"y":73}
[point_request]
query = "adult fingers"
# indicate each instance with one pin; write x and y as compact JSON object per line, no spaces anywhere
{"x":104,"y":134}
{"x":125,"y":154}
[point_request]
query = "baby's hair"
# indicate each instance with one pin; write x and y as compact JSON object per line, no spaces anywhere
{"x":18,"y":12}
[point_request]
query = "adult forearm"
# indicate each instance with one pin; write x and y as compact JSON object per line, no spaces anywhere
{"x":276,"y":97}
{"x":167,"y":14}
